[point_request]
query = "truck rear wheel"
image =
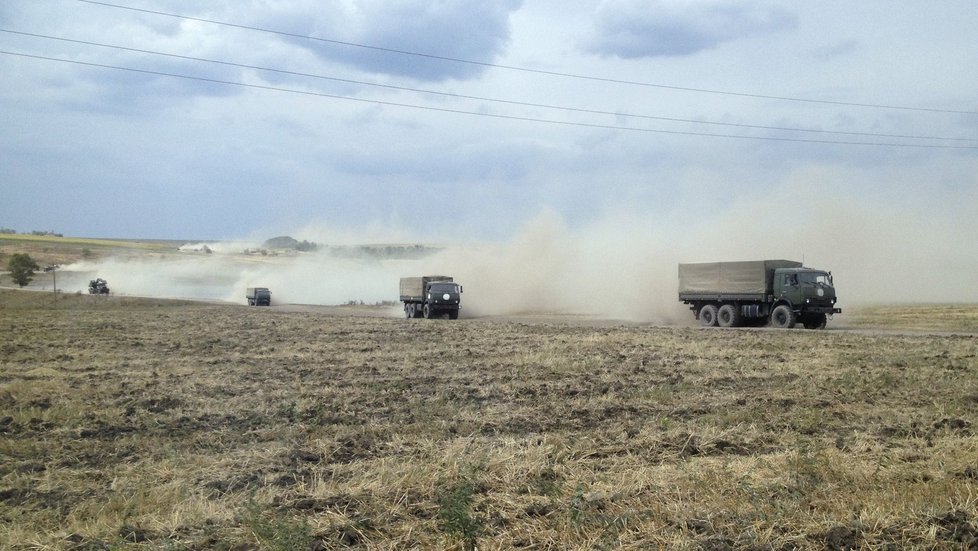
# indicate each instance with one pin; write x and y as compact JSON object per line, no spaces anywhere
{"x":708,"y":315}
{"x":783,"y":317}
{"x":408,"y":311}
{"x":729,"y":316}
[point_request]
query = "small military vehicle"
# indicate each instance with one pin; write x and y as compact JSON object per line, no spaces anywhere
{"x":258,"y":296}
{"x":98,"y":286}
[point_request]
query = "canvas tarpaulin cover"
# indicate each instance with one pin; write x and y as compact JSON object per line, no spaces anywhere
{"x":750,"y":277}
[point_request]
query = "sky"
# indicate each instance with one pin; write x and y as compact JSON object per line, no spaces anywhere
{"x":623,"y":131}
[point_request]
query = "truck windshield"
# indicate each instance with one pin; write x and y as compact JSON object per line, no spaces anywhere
{"x":821,"y":278}
{"x":444,"y":288}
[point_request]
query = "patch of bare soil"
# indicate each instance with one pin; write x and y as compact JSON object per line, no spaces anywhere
{"x":148,"y":424}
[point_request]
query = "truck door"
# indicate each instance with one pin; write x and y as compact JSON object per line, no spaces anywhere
{"x":790,"y":288}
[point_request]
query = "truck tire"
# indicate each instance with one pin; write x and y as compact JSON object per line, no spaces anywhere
{"x":708,"y":315}
{"x":814,"y":321}
{"x":729,"y":316}
{"x":426,"y":311}
{"x":453,"y":315}
{"x":783,"y":317}
{"x":408,"y":311}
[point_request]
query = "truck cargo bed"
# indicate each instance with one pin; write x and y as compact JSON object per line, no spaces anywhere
{"x":749,"y":279}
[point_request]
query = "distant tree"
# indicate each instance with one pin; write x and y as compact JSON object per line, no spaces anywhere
{"x":306,"y":246}
{"x":21,"y":267}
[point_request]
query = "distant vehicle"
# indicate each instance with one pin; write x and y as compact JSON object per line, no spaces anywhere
{"x":430,"y":296}
{"x":258,"y":296}
{"x":784,"y":292}
{"x":98,"y":287}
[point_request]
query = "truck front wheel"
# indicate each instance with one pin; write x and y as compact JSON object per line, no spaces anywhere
{"x":814,"y":321}
{"x":783,"y":317}
{"x":708,"y":315}
{"x":427,"y":312}
{"x":729,"y":316}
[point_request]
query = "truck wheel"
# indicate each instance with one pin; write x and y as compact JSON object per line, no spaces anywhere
{"x":453,"y":315}
{"x":815,"y":321}
{"x":708,"y":315}
{"x":408,"y":311}
{"x":783,"y":317}
{"x":426,"y":311}
{"x":729,"y":316}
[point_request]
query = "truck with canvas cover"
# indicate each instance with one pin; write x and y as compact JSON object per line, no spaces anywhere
{"x":783,"y":292}
{"x":258,"y":296}
{"x":430,"y":296}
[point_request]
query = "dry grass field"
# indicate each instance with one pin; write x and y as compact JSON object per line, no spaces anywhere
{"x":147,"y":424}
{"x":50,"y":249}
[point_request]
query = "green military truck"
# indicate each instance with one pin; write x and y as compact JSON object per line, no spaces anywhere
{"x":783,"y":292}
{"x":430,"y":296}
{"x":258,"y":296}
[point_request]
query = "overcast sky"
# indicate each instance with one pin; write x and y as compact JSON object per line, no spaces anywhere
{"x":440,"y":121}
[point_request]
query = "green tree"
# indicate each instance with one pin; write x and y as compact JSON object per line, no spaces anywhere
{"x":21,"y":267}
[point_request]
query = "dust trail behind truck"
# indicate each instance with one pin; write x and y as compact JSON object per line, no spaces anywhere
{"x":783,"y":292}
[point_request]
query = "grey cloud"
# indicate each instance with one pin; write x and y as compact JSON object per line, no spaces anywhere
{"x":633,"y":29}
{"x":471,"y":30}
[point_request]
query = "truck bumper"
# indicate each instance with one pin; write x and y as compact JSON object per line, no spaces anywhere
{"x":822,"y":310}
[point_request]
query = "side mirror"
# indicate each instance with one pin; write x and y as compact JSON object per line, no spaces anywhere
{"x":460,"y":288}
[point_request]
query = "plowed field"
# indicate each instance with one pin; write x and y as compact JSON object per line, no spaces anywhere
{"x":148,"y":424}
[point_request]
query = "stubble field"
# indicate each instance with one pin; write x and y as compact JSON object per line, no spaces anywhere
{"x":146,"y":424}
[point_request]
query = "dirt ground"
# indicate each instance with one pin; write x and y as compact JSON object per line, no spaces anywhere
{"x":151,"y":424}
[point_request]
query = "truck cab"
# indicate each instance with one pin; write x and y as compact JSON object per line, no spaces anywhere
{"x":443,"y":296}
{"x":808,"y":293}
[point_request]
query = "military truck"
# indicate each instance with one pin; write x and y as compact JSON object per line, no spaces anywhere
{"x":782,"y":292}
{"x":98,"y":286}
{"x":430,"y":296}
{"x":258,"y":296}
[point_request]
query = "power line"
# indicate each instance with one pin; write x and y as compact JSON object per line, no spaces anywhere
{"x":535,"y":71}
{"x":487,"y":99}
{"x":479,"y":114}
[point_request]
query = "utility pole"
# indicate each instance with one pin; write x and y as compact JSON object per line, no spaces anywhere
{"x":54,"y":275}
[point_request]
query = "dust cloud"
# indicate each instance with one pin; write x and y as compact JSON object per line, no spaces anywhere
{"x":621,"y":266}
